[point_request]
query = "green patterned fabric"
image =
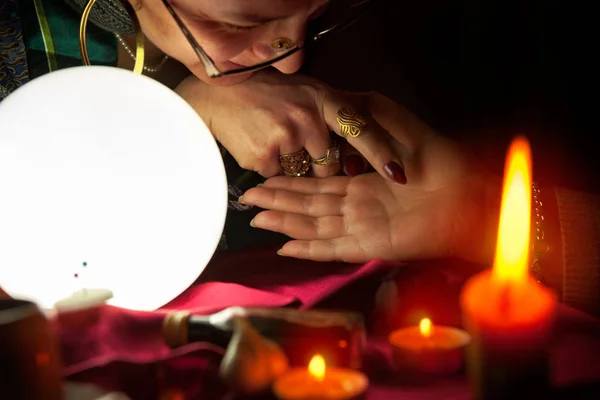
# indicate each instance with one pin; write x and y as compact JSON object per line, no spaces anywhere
{"x":39,"y":36}
{"x":51,"y":32}
{"x":13,"y":61}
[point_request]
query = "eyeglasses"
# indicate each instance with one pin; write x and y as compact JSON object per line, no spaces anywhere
{"x":339,"y":15}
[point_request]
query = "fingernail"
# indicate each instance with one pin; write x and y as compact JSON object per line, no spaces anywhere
{"x":260,"y":184}
{"x":252,"y":223}
{"x":279,"y":252}
{"x":354,"y":165}
{"x":395,"y":171}
{"x":241,"y":199}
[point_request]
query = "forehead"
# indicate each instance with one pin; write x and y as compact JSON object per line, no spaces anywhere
{"x":267,"y":9}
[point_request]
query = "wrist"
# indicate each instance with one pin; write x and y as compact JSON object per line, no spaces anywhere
{"x":197,"y":94}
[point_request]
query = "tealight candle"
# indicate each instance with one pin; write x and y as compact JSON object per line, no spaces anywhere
{"x":319,"y":382}
{"x":428,"y":348}
{"x":508,"y":314}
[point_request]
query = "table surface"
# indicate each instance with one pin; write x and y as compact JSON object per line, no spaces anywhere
{"x":122,"y":350}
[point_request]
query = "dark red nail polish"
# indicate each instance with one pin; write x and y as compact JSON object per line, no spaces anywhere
{"x":354,"y":165}
{"x":396,"y":172}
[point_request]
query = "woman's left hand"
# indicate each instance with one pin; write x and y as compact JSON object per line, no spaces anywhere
{"x":447,"y":209}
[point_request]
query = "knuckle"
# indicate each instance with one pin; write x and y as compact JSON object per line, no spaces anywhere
{"x":247,"y":165}
{"x":266,"y":158}
{"x":307,"y":204}
{"x":303,"y":114}
{"x":280,"y":133}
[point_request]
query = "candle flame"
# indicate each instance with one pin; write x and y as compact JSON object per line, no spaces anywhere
{"x":316,"y":367}
{"x":512,"y":249}
{"x":425,"y":327}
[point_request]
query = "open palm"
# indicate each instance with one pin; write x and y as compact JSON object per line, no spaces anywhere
{"x":446,"y":209}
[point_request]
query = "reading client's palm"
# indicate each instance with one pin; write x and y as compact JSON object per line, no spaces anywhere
{"x":440,"y":212}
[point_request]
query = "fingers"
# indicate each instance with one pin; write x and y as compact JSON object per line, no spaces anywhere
{"x":292,"y":156}
{"x":313,"y":205}
{"x":322,"y":151}
{"x":336,"y":185}
{"x":300,"y":226}
{"x":402,"y":125}
{"x":353,"y":163}
{"x":339,"y":249}
{"x":368,"y":137}
{"x":322,"y":148}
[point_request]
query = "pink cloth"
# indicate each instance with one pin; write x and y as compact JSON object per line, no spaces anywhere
{"x":122,"y":350}
{"x":118,"y":338}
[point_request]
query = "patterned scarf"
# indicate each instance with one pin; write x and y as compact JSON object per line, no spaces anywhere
{"x":13,"y":60}
{"x":41,"y":36}
{"x":107,"y":14}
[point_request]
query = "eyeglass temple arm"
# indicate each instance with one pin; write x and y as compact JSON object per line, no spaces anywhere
{"x":209,"y":64}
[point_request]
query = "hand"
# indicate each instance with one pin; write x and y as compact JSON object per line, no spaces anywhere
{"x":447,"y":209}
{"x":272,"y":114}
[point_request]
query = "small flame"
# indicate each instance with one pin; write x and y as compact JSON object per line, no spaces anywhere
{"x":316,"y":367}
{"x":425,"y":327}
{"x":512,"y":249}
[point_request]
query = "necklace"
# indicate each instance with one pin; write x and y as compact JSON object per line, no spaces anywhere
{"x":132,"y":55}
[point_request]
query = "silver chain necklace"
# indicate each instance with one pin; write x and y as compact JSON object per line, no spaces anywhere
{"x":132,"y":55}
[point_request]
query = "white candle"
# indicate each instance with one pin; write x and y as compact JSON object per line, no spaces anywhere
{"x":83,"y":299}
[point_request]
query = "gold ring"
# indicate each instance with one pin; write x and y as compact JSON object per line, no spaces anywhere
{"x":295,"y":164}
{"x":281,"y":44}
{"x":351,"y":122}
{"x":332,"y":156}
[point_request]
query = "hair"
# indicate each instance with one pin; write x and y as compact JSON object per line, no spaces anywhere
{"x":107,"y":14}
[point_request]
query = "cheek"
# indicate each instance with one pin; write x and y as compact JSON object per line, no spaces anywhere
{"x":166,"y":35}
{"x":223,"y":47}
{"x":162,"y":31}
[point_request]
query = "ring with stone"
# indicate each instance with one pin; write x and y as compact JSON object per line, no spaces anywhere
{"x":332,"y":156}
{"x":295,"y":164}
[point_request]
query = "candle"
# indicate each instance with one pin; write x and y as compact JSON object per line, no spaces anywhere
{"x":428,"y":348}
{"x":319,"y":382}
{"x":83,"y":299}
{"x":509,"y":316}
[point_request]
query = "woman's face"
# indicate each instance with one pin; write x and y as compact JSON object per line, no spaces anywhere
{"x":234,"y":33}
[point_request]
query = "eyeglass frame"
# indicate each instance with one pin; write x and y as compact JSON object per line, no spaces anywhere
{"x":211,"y":68}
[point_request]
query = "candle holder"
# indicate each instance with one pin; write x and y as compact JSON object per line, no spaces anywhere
{"x":426,"y":349}
{"x":29,"y":357}
{"x":319,"y":382}
{"x":506,"y":359}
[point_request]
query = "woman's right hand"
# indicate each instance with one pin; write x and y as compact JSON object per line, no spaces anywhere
{"x":448,"y":208}
{"x":272,"y":114}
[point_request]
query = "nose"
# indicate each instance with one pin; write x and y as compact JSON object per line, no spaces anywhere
{"x":290,"y":32}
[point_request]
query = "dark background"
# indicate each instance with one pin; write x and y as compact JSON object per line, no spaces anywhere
{"x":483,"y":72}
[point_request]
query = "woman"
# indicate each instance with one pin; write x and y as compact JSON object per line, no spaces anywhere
{"x":239,"y":35}
{"x":449,"y":208}
{"x":269,"y":122}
